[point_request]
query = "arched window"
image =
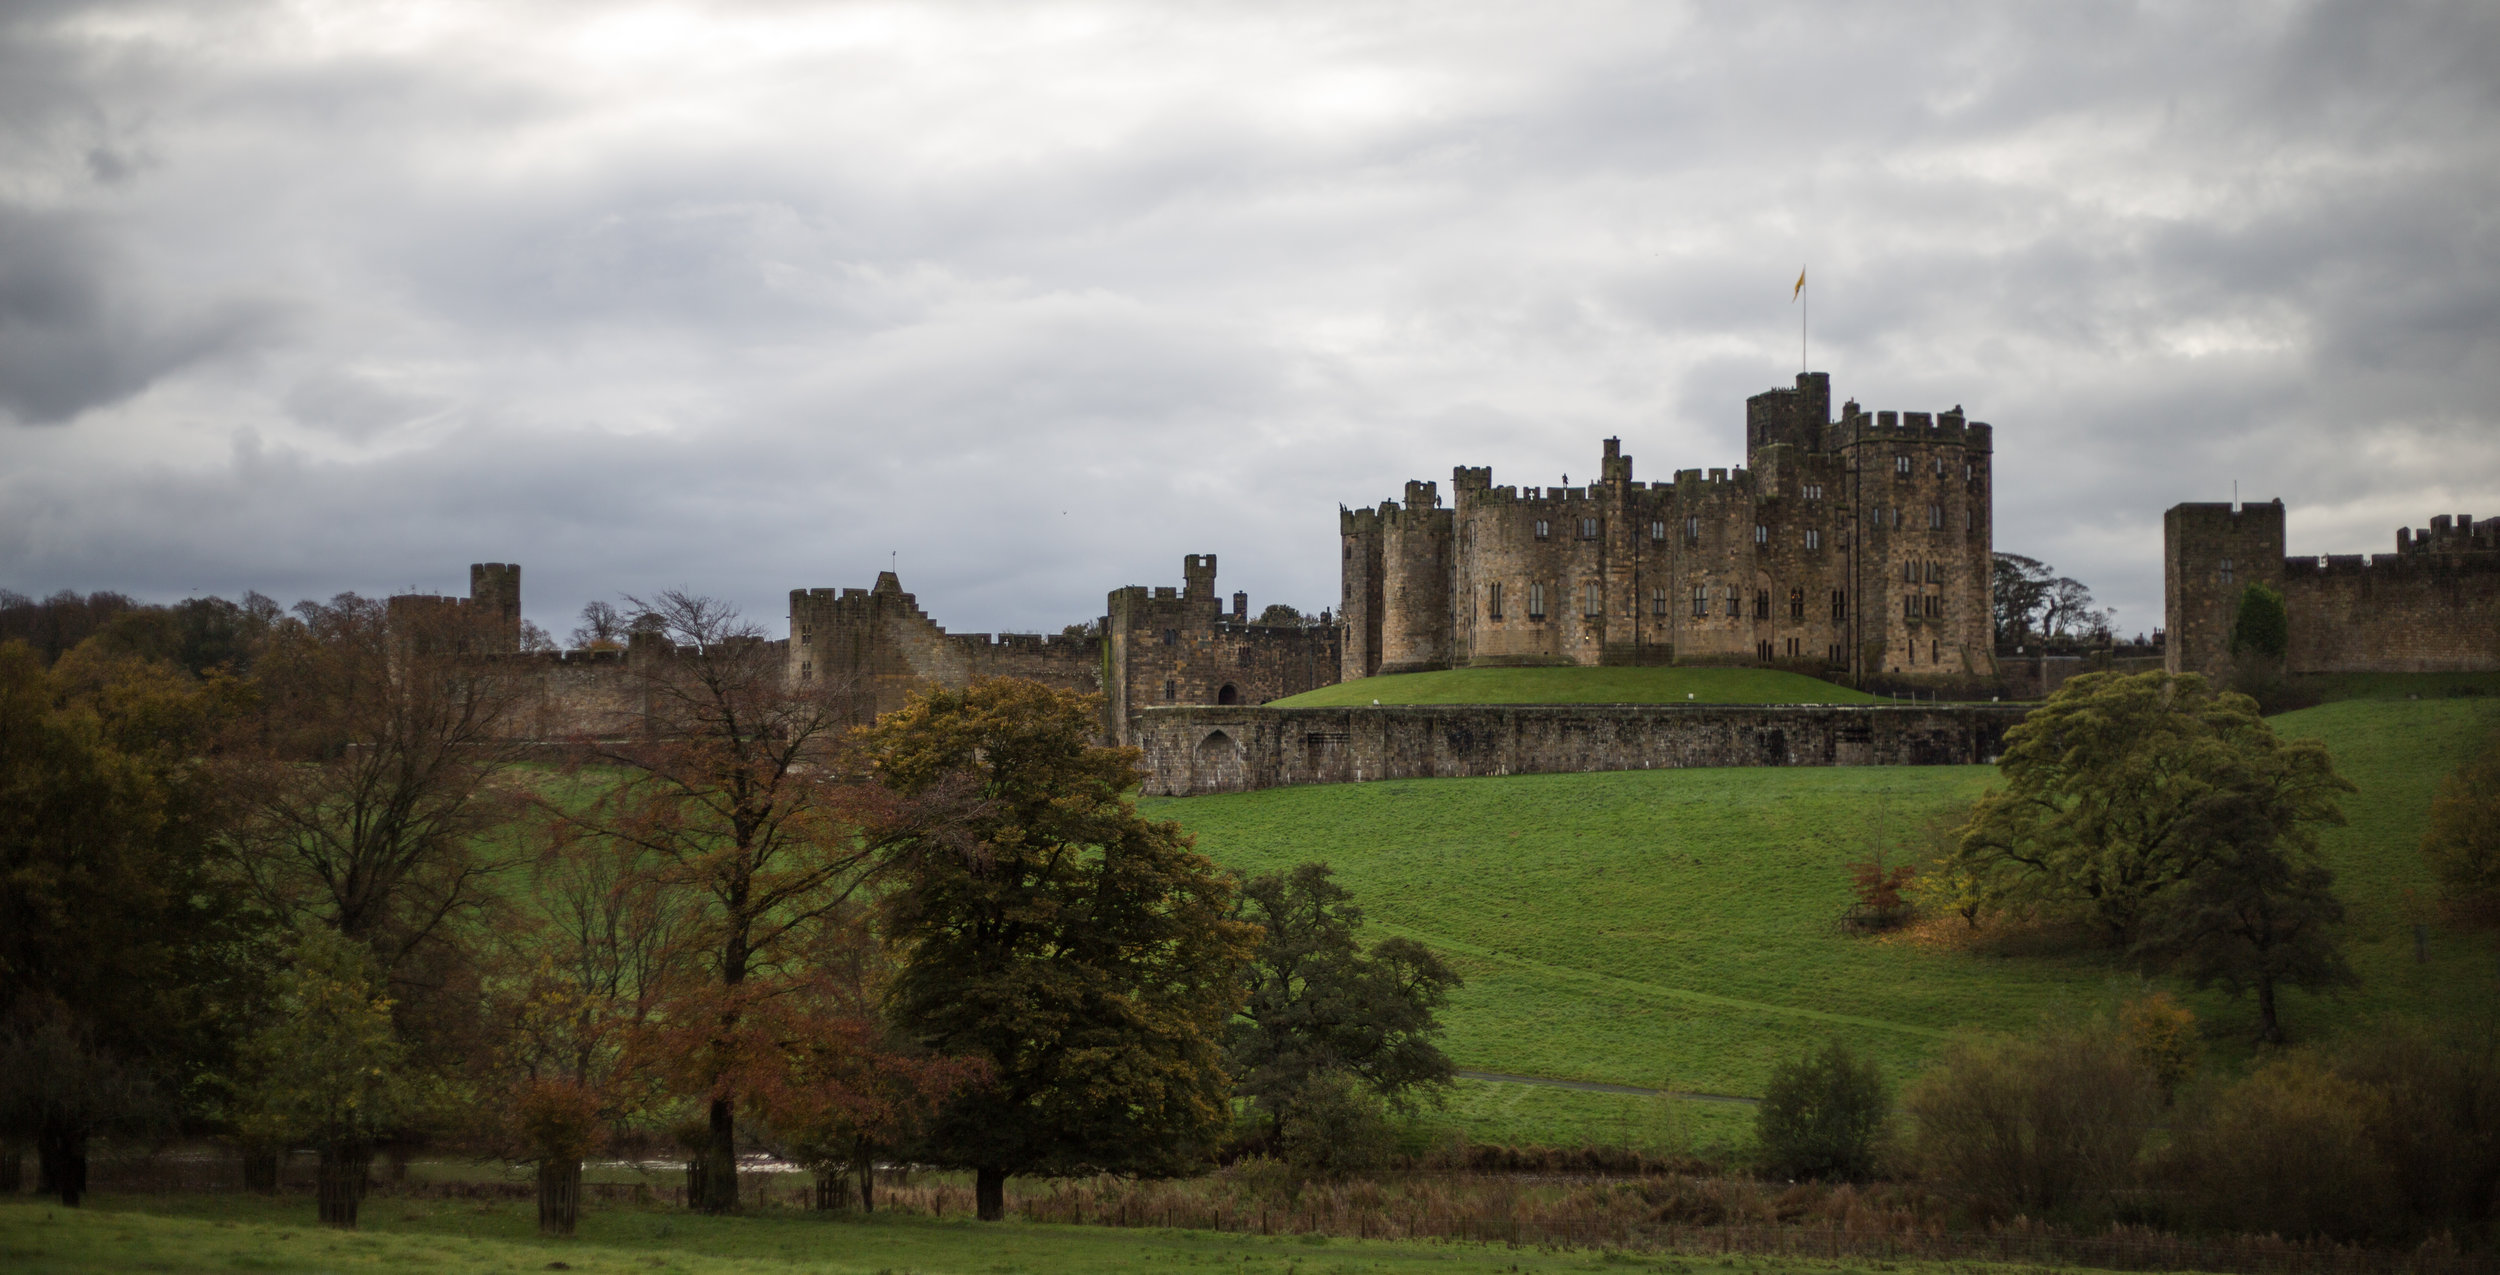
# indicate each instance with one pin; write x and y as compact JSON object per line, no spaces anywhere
{"x":1228,"y":695}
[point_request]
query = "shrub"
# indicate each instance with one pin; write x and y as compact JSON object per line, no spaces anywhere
{"x":2287,"y":1152}
{"x":2462,"y":841}
{"x":1335,"y":1127}
{"x":2044,"y":1124}
{"x":2161,"y":1034}
{"x":1821,"y":1113}
{"x":2435,"y":1121}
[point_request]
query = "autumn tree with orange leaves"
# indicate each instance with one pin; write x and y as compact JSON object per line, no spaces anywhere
{"x":727,"y":799}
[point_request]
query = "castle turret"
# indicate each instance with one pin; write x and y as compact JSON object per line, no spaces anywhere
{"x":2211,"y":553}
{"x":1415,"y":620}
{"x":495,"y":603}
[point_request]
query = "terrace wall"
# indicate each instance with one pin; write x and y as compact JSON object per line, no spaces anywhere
{"x":1189,"y":751}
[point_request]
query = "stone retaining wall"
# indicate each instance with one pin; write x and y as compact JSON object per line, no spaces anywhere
{"x":1201,"y":750}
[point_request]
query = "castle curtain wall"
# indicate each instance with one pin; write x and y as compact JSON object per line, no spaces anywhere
{"x":2393,"y":613}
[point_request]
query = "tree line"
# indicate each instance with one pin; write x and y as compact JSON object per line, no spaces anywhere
{"x":310,"y":888}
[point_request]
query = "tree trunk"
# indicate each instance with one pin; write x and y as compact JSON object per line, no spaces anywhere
{"x":12,"y":1167}
{"x":559,"y":1196}
{"x":716,"y":1174}
{"x":61,"y":1162}
{"x":339,"y":1181}
{"x":2268,"y":1029}
{"x":865,"y":1165}
{"x":989,"y":1194}
{"x":833,"y":1189}
{"x":260,"y":1168}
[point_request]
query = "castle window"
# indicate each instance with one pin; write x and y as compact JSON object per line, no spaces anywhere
{"x":1658,"y":602}
{"x":1909,"y":608}
{"x":1762,"y":650}
{"x":1970,"y":520}
{"x":1701,"y":601}
{"x":1762,"y":604}
{"x":1761,"y":534}
{"x":804,"y":637}
{"x":1544,"y":529}
{"x":1658,"y":531}
{"x":1940,"y":467}
{"x":1171,"y":637}
{"x":1692,"y":530}
{"x":805,"y":671}
{"x":1796,"y":606}
{"x":1349,"y":551}
{"x":1935,"y":517}
{"x":1171,"y":690}
{"x":1588,"y":529}
{"x":1814,"y":491}
{"x":1900,"y":464}
{"x":1834,"y":657}
{"x":1536,"y":601}
{"x":1814,"y":538}
{"x":2226,"y":571}
{"x":1735,"y":604}
{"x":1792,"y":646}
{"x":1840,"y":605}
{"x":1493,"y":601}
{"x":1591,"y":608}
{"x":1935,"y":573}
{"x":1969,"y":472}
{"x":1909,"y":572}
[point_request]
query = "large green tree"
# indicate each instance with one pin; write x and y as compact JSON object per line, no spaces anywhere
{"x":2121,"y":787}
{"x":121,"y":946}
{"x":1088,"y":956}
{"x":1319,"y":1003}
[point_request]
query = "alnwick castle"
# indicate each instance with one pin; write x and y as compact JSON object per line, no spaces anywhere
{"x":1853,"y":546}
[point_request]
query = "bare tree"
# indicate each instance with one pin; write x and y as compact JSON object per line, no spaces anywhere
{"x":374,"y":771}
{"x":602,"y":628}
{"x":731,"y":798}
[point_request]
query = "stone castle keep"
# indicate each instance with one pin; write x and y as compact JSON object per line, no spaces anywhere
{"x":1855,"y":548}
{"x":2432,"y":606}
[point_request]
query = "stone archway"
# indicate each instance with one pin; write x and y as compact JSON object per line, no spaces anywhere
{"x":1229,"y":695}
{"x":1216,"y":765}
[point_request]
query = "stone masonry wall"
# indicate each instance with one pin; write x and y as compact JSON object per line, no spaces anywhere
{"x":2210,"y":554}
{"x":1189,"y":751}
{"x":2393,"y":613}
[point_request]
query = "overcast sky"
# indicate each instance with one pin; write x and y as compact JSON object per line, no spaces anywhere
{"x":310,"y":297}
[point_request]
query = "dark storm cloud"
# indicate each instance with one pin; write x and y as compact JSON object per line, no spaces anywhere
{"x":1037,"y":299}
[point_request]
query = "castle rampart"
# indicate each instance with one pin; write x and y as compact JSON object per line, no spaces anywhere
{"x":2431,"y":606}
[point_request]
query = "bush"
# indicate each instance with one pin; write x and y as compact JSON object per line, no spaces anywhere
{"x":2161,"y":1033}
{"x":2462,"y":841}
{"x":2038,"y":1125}
{"x":2287,"y":1152}
{"x":1820,"y":1115}
{"x":2434,"y":1122}
{"x":1335,"y":1127}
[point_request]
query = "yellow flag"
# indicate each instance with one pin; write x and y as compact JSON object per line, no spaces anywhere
{"x":1801,"y":284}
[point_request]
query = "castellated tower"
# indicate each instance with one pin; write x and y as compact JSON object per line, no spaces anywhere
{"x":495,"y":602}
{"x":2210,"y":553}
{"x":1856,"y":548}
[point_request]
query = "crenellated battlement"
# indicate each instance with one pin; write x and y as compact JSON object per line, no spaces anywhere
{"x":1948,"y":428}
{"x":2410,"y":565}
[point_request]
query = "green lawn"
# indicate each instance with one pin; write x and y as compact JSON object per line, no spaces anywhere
{"x":229,"y":1233}
{"x":1675,"y":928}
{"x":1581,"y":686}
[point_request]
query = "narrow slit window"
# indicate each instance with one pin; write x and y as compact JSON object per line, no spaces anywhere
{"x":1536,"y":601}
{"x":1840,"y":605}
{"x":1544,"y":529}
{"x":1658,"y":531}
{"x":1701,"y":601}
{"x":1591,"y":607}
{"x":1493,"y":600}
{"x":1814,"y":537}
{"x":1658,"y":602}
{"x":1588,"y":529}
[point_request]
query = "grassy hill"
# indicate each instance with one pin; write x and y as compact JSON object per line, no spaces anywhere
{"x":1581,"y":686}
{"x":1676,"y":928}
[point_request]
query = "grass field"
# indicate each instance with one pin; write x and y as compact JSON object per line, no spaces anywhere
{"x":1676,"y":928}
{"x":1581,"y":686}
{"x":230,"y":1233}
